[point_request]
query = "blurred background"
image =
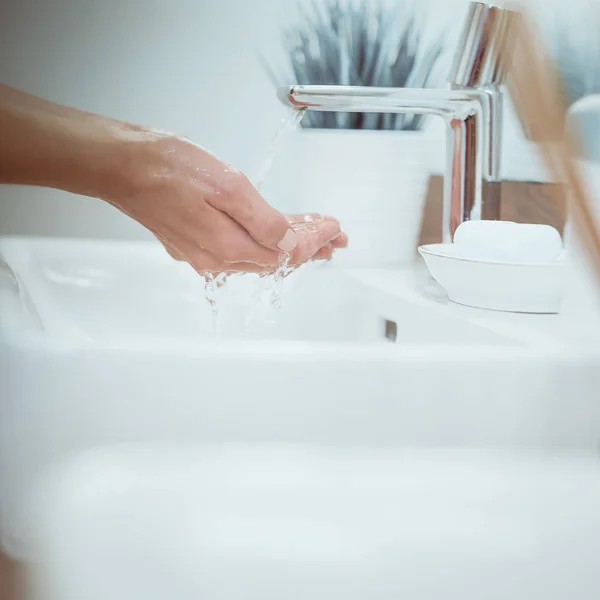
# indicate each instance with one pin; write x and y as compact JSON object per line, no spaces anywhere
{"x":193,"y":67}
{"x":208,"y":69}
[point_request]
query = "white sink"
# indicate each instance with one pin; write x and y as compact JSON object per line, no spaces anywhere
{"x":104,"y":342}
{"x":281,"y":522}
{"x":103,"y":293}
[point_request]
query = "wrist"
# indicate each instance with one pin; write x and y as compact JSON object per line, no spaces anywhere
{"x":128,"y":160}
{"x":48,"y":145}
{"x":104,"y":162}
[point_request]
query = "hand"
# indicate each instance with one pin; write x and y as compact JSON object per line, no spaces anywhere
{"x":308,"y":233}
{"x":201,"y":209}
{"x":210,"y":215}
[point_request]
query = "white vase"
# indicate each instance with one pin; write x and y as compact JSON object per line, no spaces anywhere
{"x":374,"y":182}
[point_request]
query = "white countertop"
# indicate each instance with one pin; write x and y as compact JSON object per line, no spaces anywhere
{"x":413,"y":283}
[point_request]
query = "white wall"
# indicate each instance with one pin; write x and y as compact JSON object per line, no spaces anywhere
{"x":185,"y":65}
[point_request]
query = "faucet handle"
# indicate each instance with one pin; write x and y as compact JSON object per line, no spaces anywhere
{"x":478,"y":61}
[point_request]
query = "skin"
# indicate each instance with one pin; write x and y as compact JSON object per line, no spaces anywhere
{"x":201,"y":209}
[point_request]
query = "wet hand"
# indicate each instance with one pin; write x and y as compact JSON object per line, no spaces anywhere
{"x":210,"y":215}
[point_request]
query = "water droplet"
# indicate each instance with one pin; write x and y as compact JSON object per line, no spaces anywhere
{"x":283,"y":270}
{"x":210,"y":294}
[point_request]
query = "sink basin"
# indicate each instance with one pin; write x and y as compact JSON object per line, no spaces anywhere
{"x":106,"y":342}
{"x":130,"y":293}
{"x":272,"y":522}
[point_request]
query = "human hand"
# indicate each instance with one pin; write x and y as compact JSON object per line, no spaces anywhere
{"x":201,"y":209}
{"x":210,"y":215}
{"x":308,"y":228}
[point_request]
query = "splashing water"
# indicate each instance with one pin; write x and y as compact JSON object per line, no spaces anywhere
{"x":210,"y":292}
{"x":283,"y":270}
{"x":211,"y":285}
{"x":289,"y":124}
{"x":307,"y":224}
{"x":266,"y":299}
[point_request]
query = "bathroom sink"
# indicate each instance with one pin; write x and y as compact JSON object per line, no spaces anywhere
{"x":94,"y":292}
{"x":104,"y":342}
{"x":321,"y":524}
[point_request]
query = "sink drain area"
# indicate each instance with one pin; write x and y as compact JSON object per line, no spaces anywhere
{"x":390,"y":330}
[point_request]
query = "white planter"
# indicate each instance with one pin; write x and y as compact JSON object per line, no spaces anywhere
{"x":374,"y":182}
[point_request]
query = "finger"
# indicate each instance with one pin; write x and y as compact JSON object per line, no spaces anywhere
{"x":304,"y":218}
{"x":308,"y":220}
{"x":231,"y":243}
{"x":205,"y":263}
{"x":241,"y":268}
{"x":325,"y":253}
{"x":310,"y":242}
{"x":341,"y":241}
{"x":246,"y":206}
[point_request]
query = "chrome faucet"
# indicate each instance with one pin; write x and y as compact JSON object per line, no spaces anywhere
{"x":471,"y":108}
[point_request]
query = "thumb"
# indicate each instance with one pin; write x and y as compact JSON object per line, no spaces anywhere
{"x":265,"y":224}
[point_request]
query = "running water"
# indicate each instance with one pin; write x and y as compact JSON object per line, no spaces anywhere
{"x":211,"y":285}
{"x":283,"y":270}
{"x":275,"y":282}
{"x":288,"y":125}
{"x":267,"y":298}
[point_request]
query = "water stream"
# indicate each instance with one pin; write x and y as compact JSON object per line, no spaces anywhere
{"x":272,"y":284}
{"x":211,"y":284}
{"x":289,"y":124}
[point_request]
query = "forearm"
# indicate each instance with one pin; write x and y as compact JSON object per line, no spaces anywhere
{"x":45,"y":144}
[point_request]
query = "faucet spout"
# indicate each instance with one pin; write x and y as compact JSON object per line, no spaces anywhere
{"x":445,"y":103}
{"x":462,"y":110}
{"x":471,"y":109}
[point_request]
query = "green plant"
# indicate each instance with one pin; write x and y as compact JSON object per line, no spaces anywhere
{"x":362,"y":43}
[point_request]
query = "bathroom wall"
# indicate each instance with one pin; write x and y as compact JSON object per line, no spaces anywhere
{"x":185,"y":65}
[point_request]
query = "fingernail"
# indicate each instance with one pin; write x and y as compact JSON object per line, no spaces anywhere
{"x":289,"y":241}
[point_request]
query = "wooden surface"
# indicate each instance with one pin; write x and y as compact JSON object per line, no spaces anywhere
{"x":520,"y":201}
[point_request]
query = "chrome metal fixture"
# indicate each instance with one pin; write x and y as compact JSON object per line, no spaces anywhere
{"x":471,"y":108}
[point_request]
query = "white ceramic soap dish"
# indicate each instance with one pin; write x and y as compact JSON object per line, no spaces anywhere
{"x":496,"y":285}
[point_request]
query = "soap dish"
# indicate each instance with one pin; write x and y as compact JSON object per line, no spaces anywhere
{"x":495,"y":285}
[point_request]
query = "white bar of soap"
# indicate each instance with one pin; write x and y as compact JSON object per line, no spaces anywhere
{"x":505,"y":241}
